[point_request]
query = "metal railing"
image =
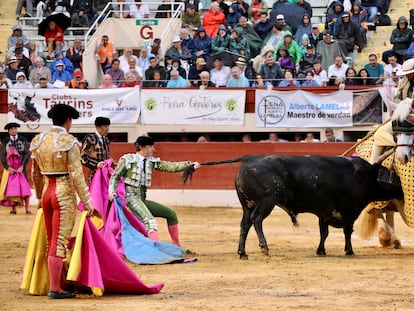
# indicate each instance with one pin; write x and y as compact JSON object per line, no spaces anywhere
{"x":175,"y":11}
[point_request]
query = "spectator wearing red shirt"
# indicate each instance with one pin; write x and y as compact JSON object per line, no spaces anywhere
{"x":212,"y":19}
{"x":54,"y":38}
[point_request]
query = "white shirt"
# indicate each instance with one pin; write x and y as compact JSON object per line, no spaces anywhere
{"x":141,"y":12}
{"x":123,"y":61}
{"x":388,"y":69}
{"x":321,"y":78}
{"x":337,"y":72}
{"x":220,"y":77}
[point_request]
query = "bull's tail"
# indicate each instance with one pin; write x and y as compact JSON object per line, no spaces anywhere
{"x":368,"y":223}
{"x":189,"y":170}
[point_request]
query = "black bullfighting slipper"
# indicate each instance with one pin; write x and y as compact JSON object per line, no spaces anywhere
{"x":63,"y":295}
{"x":13,"y":212}
{"x":190,"y":253}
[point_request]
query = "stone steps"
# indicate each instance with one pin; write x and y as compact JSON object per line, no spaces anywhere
{"x":7,"y":20}
{"x":379,"y":40}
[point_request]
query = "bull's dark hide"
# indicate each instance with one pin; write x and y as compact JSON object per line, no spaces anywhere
{"x":335,"y":189}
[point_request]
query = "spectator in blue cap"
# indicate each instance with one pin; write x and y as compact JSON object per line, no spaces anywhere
{"x":61,"y":73}
{"x":60,"y":58}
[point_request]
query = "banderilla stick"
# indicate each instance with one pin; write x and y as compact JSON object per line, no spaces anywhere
{"x":368,"y":136}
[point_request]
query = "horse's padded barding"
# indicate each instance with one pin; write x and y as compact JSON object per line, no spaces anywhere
{"x":406,"y":174}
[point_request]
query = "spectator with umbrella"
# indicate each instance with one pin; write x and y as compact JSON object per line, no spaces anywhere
{"x":52,"y":28}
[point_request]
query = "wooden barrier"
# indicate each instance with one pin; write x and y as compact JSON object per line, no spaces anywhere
{"x":221,"y":177}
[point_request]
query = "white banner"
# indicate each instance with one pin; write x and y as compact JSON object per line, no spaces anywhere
{"x":203,"y":107}
{"x":303,"y":109}
{"x":30,"y":106}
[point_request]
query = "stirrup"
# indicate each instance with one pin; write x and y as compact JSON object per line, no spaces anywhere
{"x":388,"y":179}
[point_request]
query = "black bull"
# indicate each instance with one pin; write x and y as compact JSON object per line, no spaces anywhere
{"x":335,"y":189}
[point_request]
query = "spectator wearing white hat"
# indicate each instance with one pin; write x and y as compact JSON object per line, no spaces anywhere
{"x":315,"y":35}
{"x":281,"y":23}
{"x":12,"y":69}
{"x":177,"y":50}
{"x":21,"y":82}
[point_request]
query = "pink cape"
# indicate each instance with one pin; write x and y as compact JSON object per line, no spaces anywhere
{"x":111,"y":231}
{"x":17,"y":186}
{"x":103,"y":268}
{"x":123,"y":230}
{"x":93,"y":263}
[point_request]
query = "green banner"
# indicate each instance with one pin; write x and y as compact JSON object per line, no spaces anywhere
{"x":146,"y":22}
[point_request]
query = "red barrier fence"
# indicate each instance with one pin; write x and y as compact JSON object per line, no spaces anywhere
{"x":222,"y":176}
{"x":219,"y":177}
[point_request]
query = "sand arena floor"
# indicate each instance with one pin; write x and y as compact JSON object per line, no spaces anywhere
{"x":292,"y":278}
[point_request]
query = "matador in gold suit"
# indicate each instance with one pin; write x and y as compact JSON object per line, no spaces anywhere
{"x":58,"y":177}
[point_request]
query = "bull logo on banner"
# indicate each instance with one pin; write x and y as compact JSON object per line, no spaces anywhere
{"x":22,"y":107}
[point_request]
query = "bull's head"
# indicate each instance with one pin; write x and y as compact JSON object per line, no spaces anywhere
{"x":403,"y":128}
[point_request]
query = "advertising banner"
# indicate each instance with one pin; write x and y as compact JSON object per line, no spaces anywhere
{"x":304,"y":109}
{"x":30,"y":106}
{"x":203,"y":107}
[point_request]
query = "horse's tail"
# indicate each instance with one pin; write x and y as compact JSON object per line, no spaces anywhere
{"x":368,"y":223}
{"x":189,"y":170}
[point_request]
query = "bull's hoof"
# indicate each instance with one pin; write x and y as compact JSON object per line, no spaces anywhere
{"x":349,"y":253}
{"x":265,"y":251}
{"x":320,"y":252}
{"x":243,"y":255}
{"x":397,"y":244}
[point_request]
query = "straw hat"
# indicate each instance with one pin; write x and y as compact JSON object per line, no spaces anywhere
{"x":406,"y":68}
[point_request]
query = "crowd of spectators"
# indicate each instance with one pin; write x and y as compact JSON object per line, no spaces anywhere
{"x":237,"y":45}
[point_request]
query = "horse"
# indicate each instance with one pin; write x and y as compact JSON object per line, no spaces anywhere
{"x":399,"y":161}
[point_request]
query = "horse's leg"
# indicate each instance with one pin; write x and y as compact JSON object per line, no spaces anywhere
{"x":389,"y":216}
{"x":384,"y":230}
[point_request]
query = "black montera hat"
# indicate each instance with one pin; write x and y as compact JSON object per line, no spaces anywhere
{"x":61,"y":111}
{"x":102,"y":121}
{"x":144,"y":141}
{"x":11,"y":125}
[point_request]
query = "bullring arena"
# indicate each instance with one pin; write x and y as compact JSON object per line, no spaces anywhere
{"x":293,"y":277}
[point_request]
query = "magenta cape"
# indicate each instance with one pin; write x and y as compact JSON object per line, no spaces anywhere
{"x":123,"y":230}
{"x":17,"y":186}
{"x":93,"y":263}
